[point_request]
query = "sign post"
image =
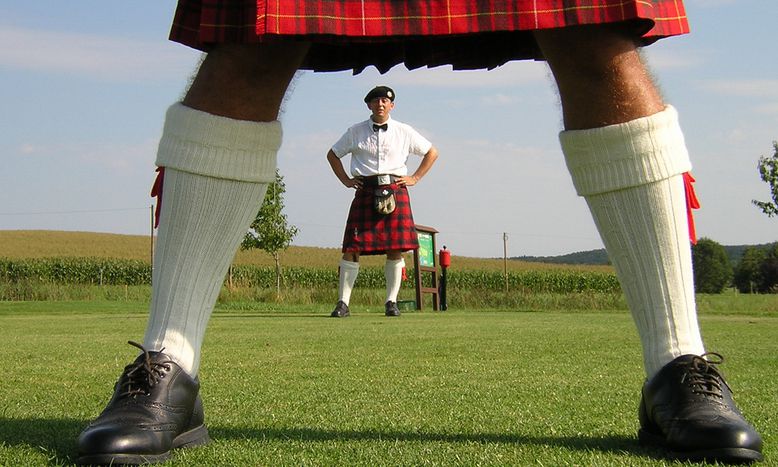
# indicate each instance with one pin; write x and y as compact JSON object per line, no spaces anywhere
{"x":424,"y":261}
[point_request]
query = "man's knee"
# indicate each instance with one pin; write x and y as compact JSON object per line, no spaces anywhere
{"x":600,"y":75}
{"x":394,"y":255}
{"x":351,"y":256}
{"x":255,"y":62}
{"x":593,"y":50}
{"x":245,"y":81}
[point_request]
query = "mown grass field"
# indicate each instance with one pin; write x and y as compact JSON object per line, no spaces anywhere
{"x":545,"y":379}
{"x":283,"y":385}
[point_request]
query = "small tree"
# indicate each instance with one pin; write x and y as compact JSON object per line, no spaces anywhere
{"x":712,"y":269}
{"x":270,"y":231}
{"x":768,"y":171}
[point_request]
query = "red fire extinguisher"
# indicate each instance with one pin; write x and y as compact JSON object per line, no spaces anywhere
{"x":444,"y":258}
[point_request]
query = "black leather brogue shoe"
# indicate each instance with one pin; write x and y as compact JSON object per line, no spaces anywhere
{"x":391,"y":309}
{"x":687,"y":408}
{"x":341,"y":310}
{"x":155,"y":408}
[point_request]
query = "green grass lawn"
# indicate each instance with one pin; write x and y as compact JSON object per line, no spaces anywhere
{"x":288,"y":386}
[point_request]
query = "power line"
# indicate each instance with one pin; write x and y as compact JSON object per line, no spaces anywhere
{"x":78,"y":211}
{"x":471,"y":233}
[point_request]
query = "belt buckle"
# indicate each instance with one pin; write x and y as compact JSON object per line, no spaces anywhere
{"x":384,"y":179}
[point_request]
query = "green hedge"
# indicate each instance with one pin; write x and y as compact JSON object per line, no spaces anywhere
{"x":134,"y":272}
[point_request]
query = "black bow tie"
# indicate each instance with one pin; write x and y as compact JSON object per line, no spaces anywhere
{"x":380,"y":127}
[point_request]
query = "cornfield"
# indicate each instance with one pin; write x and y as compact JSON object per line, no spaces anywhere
{"x":101,"y":271}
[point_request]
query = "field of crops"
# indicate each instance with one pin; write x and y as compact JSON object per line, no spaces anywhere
{"x":106,"y":271}
{"x":24,"y":244}
{"x":50,"y":265}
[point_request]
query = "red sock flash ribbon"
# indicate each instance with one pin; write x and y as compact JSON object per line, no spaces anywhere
{"x":691,"y":203}
{"x":156,"y":190}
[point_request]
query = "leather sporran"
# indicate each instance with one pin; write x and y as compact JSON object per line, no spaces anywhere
{"x":383,"y":200}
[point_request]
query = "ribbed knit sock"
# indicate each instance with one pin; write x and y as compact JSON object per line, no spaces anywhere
{"x":349,"y":270}
{"x":630,"y":176}
{"x":393,"y":270}
{"x":216,"y":173}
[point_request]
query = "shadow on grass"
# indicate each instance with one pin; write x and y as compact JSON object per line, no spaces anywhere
{"x":53,"y":438}
{"x":275,"y":315}
{"x":607,"y":444}
{"x":56,"y":438}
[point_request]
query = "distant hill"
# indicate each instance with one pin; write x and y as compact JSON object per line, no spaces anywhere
{"x":43,"y":244}
{"x":581,"y":257}
{"x":735,"y":252}
{"x":600,"y":257}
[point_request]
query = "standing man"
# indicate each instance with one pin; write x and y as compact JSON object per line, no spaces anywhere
{"x":380,"y":220}
{"x":623,"y":145}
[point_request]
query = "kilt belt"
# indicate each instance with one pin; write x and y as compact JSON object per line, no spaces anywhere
{"x":378,"y":180}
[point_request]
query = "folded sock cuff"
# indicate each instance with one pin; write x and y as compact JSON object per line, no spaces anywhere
{"x":201,"y":143}
{"x":615,"y":157}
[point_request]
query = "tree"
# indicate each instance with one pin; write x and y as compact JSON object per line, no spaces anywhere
{"x":769,"y":271}
{"x":270,"y":231}
{"x":748,"y":274}
{"x":712,"y":269}
{"x":768,"y":171}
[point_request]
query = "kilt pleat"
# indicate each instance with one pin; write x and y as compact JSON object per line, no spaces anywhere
{"x":370,"y":233}
{"x":467,"y":34}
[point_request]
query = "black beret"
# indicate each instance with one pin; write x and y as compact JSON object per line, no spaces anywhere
{"x":380,"y":91}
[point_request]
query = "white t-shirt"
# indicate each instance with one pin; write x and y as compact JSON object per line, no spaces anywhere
{"x":380,"y":152}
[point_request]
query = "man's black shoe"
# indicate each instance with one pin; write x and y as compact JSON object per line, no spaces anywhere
{"x":341,"y":310}
{"x":391,"y":309}
{"x":155,"y":408}
{"x":688,"y":409}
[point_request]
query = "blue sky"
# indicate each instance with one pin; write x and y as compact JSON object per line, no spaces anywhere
{"x":84,"y":87}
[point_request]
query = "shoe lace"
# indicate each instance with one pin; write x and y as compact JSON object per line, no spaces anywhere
{"x":140,"y":376}
{"x":703,"y":376}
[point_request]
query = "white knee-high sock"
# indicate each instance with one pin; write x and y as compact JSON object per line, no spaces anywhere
{"x":349,"y":270}
{"x":631,"y":177}
{"x":393,"y":270}
{"x":216,"y":173}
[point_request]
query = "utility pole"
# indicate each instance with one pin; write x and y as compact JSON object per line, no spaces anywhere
{"x":151,"y":236}
{"x":505,"y":259}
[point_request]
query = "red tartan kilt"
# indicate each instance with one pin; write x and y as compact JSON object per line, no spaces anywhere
{"x":370,"y":233}
{"x":467,"y":34}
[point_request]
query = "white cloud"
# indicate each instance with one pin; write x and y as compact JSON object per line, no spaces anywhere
{"x":768,"y":108}
{"x":100,"y":57}
{"x":761,"y":88}
{"x":114,"y":156}
{"x":710,"y":3}
{"x":28,"y":150}
{"x":500,"y":100}
{"x":665,"y":58}
{"x":510,"y":74}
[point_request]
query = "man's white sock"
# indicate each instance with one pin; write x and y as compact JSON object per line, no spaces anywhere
{"x":631,"y":177}
{"x":216,"y":173}
{"x":349,"y":270}
{"x":393,"y":270}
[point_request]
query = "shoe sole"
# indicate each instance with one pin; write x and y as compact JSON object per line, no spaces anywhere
{"x":196,"y":437}
{"x":726,"y":455}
